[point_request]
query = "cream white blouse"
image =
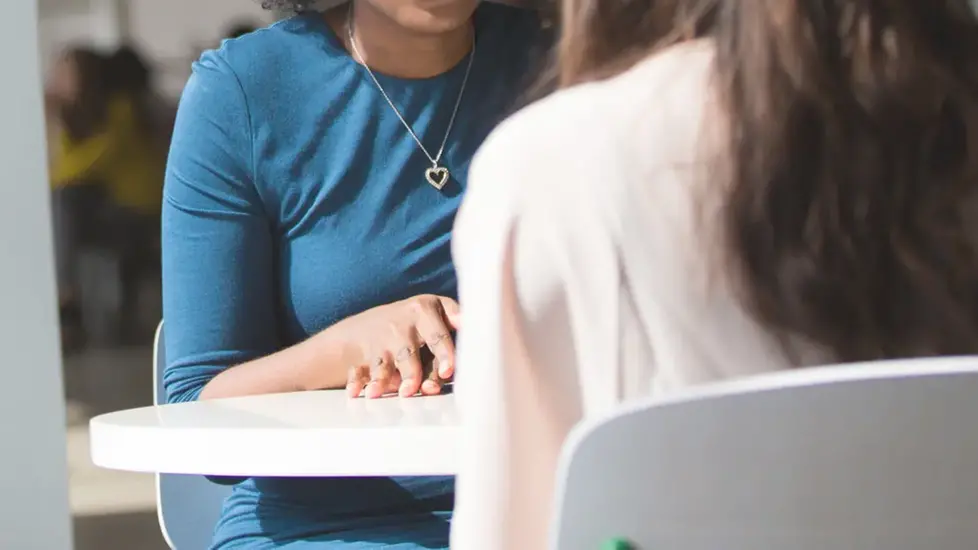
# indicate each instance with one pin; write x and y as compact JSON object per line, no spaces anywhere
{"x":585,"y":258}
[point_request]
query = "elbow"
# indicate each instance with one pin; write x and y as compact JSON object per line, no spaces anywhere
{"x":210,"y":388}
{"x":183,"y":395}
{"x":206,"y":392}
{"x":184,"y":389}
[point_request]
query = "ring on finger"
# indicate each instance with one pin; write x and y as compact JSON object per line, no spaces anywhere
{"x":438,"y":338}
{"x":359,"y":372}
{"x":379,"y":361}
{"x":405,"y":354}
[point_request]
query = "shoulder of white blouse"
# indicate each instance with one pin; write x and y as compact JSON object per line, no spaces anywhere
{"x":597,"y":126}
{"x":539,"y":152}
{"x":568,"y":154}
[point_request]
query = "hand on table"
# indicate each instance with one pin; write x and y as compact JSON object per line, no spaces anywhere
{"x":390,"y":340}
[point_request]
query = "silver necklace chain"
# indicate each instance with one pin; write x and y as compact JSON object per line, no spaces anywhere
{"x":435,"y":160}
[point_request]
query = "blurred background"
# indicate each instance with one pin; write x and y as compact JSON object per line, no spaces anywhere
{"x":114,"y":70}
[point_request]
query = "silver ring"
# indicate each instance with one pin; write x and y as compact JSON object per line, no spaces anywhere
{"x":439,"y":338}
{"x":405,"y":354}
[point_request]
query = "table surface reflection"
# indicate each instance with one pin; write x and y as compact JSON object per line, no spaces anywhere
{"x":315,"y":434}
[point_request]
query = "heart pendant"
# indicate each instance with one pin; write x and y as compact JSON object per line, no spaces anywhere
{"x":437,"y":176}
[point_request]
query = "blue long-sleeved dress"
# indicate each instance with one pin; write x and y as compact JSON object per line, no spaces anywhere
{"x":295,"y":198}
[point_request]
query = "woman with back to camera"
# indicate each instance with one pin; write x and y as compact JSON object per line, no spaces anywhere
{"x":314,"y":176}
{"x":780,"y":184}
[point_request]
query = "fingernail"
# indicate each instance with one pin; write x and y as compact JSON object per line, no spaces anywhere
{"x":404,"y":391}
{"x":431,"y":387}
{"x":444,"y":369}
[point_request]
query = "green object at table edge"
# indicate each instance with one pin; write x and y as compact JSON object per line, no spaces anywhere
{"x":618,"y":544}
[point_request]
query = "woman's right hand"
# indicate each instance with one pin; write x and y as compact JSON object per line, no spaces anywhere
{"x":387,"y":341}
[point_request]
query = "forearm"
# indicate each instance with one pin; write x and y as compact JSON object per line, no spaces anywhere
{"x":316,"y":364}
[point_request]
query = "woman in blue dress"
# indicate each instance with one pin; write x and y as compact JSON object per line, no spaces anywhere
{"x":314,"y":177}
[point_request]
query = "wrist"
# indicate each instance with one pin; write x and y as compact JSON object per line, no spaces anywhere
{"x":325,"y":361}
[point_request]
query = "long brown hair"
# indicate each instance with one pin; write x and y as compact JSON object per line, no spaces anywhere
{"x":852,"y":159}
{"x":601,"y":39}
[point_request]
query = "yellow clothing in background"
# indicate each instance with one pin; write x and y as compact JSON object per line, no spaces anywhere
{"x":123,"y":157}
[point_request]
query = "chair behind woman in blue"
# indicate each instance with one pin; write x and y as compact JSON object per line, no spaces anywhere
{"x":188,"y":506}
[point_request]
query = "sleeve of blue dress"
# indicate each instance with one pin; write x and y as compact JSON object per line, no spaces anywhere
{"x":218,"y":279}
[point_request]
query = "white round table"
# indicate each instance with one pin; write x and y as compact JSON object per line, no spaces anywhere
{"x":312,"y":434}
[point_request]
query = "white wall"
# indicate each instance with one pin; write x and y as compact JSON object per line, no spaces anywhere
{"x":33,"y":475}
{"x":174,"y":32}
{"x":68,"y":22}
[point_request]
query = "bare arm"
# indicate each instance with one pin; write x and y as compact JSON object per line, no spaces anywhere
{"x":317,"y":363}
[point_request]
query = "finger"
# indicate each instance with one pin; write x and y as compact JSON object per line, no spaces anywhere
{"x":452,"y":312}
{"x":407,"y":360}
{"x":381,"y":377}
{"x":433,"y":329}
{"x":357,"y":379}
{"x":432,"y":384}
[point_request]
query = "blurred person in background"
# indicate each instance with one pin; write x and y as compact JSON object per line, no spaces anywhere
{"x":775,"y":184}
{"x":107,"y":170}
{"x":143,"y":131}
{"x":131,"y":76}
{"x":77,"y":105}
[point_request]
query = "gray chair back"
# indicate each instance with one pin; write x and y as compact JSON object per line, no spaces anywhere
{"x":188,"y":506}
{"x":857,"y":457}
